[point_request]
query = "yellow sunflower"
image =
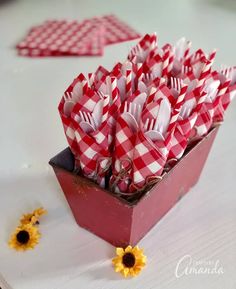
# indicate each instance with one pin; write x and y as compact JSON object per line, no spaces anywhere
{"x":129,"y":261}
{"x":33,"y":218}
{"x":39,"y":212}
{"x":29,"y":219}
{"x":25,"y":237}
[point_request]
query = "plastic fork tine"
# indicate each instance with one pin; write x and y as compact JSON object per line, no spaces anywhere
{"x":101,"y":94}
{"x":125,"y":107}
{"x":81,"y":115}
{"x":91,"y":120}
{"x":179,"y":84}
{"x":151,"y":125}
{"x":229,"y":72}
{"x":226,"y":71}
{"x":89,"y":117}
{"x":67,"y":95}
{"x":171,"y":82}
{"x":186,"y":69}
{"x":188,"y":112}
{"x":146,"y":124}
{"x":156,"y":126}
{"x":86,"y":117}
{"x":183,"y":112}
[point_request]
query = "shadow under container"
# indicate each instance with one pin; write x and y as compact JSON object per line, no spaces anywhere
{"x":117,"y":220}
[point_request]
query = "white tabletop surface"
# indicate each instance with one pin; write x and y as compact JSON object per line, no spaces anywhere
{"x":202,"y":224}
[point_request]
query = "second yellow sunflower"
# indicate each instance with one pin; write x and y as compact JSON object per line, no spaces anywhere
{"x":25,"y":237}
{"x":129,"y":261}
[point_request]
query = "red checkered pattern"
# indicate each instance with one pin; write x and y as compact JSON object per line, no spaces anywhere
{"x":154,"y":61}
{"x":77,"y":139}
{"x":67,"y":121}
{"x":151,"y":110}
{"x":92,"y":148}
{"x":123,"y":155}
{"x":161,"y":91}
{"x":114,"y":109}
{"x":205,"y":117}
{"x":140,"y":52}
{"x":69,"y":130}
{"x":60,"y":37}
{"x":228,"y":96}
{"x":55,"y":38}
{"x":117,"y":31}
{"x":181,"y":136}
{"x":136,"y":160}
{"x":148,"y":161}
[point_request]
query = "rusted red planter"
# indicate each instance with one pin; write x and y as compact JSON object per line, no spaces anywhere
{"x":116,"y":220}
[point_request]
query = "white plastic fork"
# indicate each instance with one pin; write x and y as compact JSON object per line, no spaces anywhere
{"x":152,"y":125}
{"x":67,"y":96}
{"x":87,"y":122}
{"x":69,"y":103}
{"x":194,"y":57}
{"x":227,"y":72}
{"x":147,"y":77}
{"x":176,"y":83}
{"x":134,"y":109}
{"x":186,"y":69}
{"x":152,"y":130}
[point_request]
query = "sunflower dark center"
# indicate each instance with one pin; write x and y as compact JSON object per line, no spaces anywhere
{"x":23,"y":237}
{"x":128,"y":260}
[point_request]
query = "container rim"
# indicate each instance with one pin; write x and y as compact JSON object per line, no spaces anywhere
{"x":70,"y":163}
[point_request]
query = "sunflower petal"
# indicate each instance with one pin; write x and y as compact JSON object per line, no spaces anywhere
{"x":128,"y":249}
{"x":116,"y":260}
{"x":119,"y":267}
{"x":125,"y":272}
{"x":120,"y":251}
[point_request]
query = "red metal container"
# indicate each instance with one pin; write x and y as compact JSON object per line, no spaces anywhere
{"x":113,"y":218}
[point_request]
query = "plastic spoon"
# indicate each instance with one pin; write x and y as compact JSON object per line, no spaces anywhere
{"x":86,"y":127}
{"x":129,"y":118}
{"x":154,"y":135}
{"x":68,"y":107}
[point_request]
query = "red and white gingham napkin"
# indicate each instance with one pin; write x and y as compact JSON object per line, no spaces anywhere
{"x":94,"y":147}
{"x":123,"y":155}
{"x":56,"y":38}
{"x":66,"y":116}
{"x":64,"y":38}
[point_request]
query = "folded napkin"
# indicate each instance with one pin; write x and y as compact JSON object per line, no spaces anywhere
{"x":129,"y":125}
{"x":73,"y":38}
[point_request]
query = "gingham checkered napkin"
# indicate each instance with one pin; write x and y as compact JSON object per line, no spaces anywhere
{"x":123,"y":155}
{"x":66,"y":115}
{"x":181,"y":136}
{"x":153,"y":106}
{"x":148,"y":161}
{"x":65,"y":38}
{"x":226,"y":91}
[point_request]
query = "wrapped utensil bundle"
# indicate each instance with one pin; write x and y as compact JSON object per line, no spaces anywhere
{"x":127,"y":126}
{"x":139,"y":136}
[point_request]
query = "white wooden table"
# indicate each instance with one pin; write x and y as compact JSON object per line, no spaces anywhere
{"x":202,"y":225}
